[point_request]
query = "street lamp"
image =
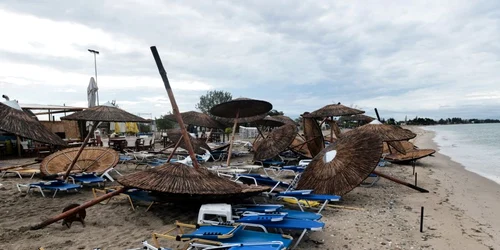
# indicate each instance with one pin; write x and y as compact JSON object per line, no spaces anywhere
{"x":95,"y":52}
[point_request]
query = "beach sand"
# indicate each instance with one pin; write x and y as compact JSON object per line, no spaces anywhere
{"x":461,"y":212}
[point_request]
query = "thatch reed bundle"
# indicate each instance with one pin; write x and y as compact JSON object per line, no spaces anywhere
{"x":176,"y":178}
{"x":276,"y":142}
{"x":334,"y":110}
{"x":92,"y":159}
{"x":396,"y":145}
{"x":245,"y":107}
{"x":104,"y":114}
{"x":198,"y":144}
{"x":19,"y":123}
{"x":197,"y":119}
{"x":313,"y":135}
{"x":357,"y":155}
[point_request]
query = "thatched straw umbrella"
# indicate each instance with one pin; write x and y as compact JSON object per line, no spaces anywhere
{"x":343,"y":165}
{"x":197,"y":119}
{"x":270,"y":122}
{"x":93,"y":159}
{"x":240,"y":107}
{"x":386,"y":132}
{"x":360,"y":119}
{"x":332,"y":110}
{"x":277,"y":141}
{"x":299,"y":146}
{"x":98,"y":114}
{"x":313,"y":135}
{"x":178,"y":181}
{"x":412,"y":152}
{"x":16,"y":121}
{"x":175,"y":135}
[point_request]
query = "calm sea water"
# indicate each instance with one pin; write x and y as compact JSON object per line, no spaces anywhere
{"x":476,"y":146}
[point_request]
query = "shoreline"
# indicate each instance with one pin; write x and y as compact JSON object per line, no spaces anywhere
{"x":432,"y":144}
{"x":469,"y":197}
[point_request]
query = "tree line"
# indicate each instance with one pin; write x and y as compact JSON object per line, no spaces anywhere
{"x":442,"y":121}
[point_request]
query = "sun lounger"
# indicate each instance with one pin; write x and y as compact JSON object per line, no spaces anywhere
{"x":292,"y":224}
{"x":20,"y":171}
{"x":276,"y":209}
{"x":370,"y":180}
{"x":86,"y":179}
{"x":250,"y":246}
{"x":222,"y":235}
{"x":325,"y":198}
{"x":131,"y":195}
{"x":55,"y":186}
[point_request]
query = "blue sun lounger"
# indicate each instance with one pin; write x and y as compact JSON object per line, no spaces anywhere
{"x":54,"y":186}
{"x":222,"y":235}
{"x":290,"y":224}
{"x":266,"y":209}
{"x":86,"y":179}
{"x":249,"y":246}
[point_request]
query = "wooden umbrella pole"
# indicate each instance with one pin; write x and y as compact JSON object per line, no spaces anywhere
{"x":401,"y":182}
{"x":73,"y":162}
{"x":208,"y":137}
{"x":331,"y":130}
{"x":18,"y":166}
{"x":76,"y":209}
{"x":175,"y":108}
{"x":230,"y":151}
{"x":175,"y":148}
{"x":18,"y":145}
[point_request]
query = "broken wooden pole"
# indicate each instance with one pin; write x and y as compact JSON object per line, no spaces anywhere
{"x":401,"y":182}
{"x":77,"y":209}
{"x":175,"y":108}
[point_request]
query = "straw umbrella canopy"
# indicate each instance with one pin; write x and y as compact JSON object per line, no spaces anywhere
{"x":98,"y":114}
{"x":314,"y":136}
{"x":388,"y":133}
{"x":277,"y":141}
{"x":240,"y":107}
{"x":16,"y":121}
{"x":299,"y":146}
{"x":335,"y":127}
{"x":334,"y":110}
{"x":241,"y":120}
{"x":411,"y":152}
{"x":104,"y":114}
{"x":93,"y":159}
{"x":343,"y":165}
{"x":358,"y":118}
{"x":178,"y":180}
{"x":197,"y":119}
{"x":175,"y":135}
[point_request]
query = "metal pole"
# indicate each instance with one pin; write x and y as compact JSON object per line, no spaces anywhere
{"x":175,"y":108}
{"x":230,"y":150}
{"x":95,"y":66}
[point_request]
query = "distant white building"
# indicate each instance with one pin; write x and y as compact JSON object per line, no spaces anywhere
{"x":248,"y":132}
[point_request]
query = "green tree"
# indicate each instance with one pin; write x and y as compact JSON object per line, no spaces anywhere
{"x":144,"y":127}
{"x":274,"y":112}
{"x":163,"y":123}
{"x":212,"y":98}
{"x":391,"y":121}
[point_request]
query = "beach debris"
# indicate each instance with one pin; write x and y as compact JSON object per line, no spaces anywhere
{"x":79,"y":216}
{"x":422,"y":190}
{"x":343,"y":165}
{"x":240,"y":108}
{"x":276,"y":142}
{"x":313,"y":135}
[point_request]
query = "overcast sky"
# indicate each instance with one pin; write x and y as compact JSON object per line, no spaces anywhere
{"x":426,"y":58}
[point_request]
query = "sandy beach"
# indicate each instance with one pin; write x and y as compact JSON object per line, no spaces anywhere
{"x":461,"y":212}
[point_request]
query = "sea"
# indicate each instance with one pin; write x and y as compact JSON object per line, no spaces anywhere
{"x":475,"y":146}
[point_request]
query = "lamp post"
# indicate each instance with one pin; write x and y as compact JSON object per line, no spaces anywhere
{"x":95,"y":52}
